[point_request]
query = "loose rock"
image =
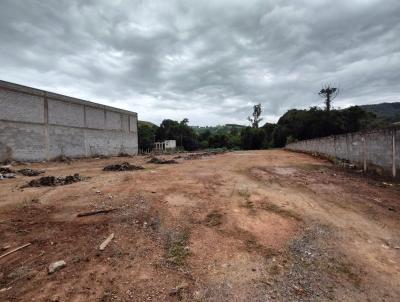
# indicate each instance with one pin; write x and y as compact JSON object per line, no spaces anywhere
{"x":56,"y":266}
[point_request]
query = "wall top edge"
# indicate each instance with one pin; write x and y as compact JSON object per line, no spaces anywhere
{"x":361,"y":133}
{"x":59,"y":97}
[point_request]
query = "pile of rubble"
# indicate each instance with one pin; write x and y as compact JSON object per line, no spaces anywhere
{"x":30,"y":172}
{"x":49,"y":181}
{"x":7,"y":172}
{"x":122,"y":167}
{"x":156,"y":160}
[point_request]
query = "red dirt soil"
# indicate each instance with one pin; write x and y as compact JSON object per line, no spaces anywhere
{"x":239,"y":226}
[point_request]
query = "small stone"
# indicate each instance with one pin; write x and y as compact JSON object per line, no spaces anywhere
{"x":56,"y":266}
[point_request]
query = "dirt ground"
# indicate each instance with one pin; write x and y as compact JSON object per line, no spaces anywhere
{"x":240,"y":226}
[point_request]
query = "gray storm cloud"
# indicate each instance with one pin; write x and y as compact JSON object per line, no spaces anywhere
{"x":205,"y":60}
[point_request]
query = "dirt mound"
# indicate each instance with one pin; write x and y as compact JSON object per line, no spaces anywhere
{"x":49,"y":181}
{"x":122,"y":167}
{"x":30,"y":172}
{"x":156,"y":160}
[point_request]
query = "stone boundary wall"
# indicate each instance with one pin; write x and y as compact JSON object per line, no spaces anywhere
{"x":372,"y":150}
{"x":39,"y":125}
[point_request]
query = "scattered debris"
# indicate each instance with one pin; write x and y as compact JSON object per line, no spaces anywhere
{"x":106,"y":242}
{"x":54,"y":181}
{"x":5,"y":289}
{"x":155,"y":160}
{"x":95,"y":212}
{"x":7,"y":175}
{"x":56,"y":266}
{"x":194,"y":156}
{"x":213,"y":219}
{"x":30,"y":172}
{"x":5,"y":170}
{"x":122,"y":167}
{"x":15,"y":250}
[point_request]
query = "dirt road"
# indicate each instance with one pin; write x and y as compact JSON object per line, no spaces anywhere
{"x":239,"y":226}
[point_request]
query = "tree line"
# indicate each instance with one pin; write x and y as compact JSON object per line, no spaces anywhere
{"x":294,"y":125}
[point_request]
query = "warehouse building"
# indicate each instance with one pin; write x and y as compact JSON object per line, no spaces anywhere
{"x":38,"y":125}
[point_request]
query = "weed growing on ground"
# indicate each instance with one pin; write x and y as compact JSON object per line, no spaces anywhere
{"x":177,"y":248}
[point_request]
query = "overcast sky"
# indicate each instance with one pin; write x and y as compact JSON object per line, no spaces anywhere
{"x":208,"y":61}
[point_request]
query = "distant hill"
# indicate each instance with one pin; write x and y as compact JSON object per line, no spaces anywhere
{"x":389,"y":111}
{"x":141,"y":123}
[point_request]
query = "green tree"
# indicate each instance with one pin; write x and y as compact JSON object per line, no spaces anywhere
{"x":179,"y":131}
{"x":146,"y":135}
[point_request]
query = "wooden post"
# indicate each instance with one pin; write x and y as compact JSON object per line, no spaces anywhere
{"x":364,"y":154}
{"x":394,"y":154}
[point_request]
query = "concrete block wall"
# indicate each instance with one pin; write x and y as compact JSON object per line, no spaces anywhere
{"x":378,"y":148}
{"x":38,"y":125}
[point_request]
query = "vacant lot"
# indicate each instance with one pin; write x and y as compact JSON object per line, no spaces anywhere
{"x":240,"y":226}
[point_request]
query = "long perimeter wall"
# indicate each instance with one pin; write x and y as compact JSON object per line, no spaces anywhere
{"x":370,"y":150}
{"x":38,"y":125}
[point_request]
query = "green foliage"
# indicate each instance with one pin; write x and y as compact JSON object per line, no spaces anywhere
{"x":294,"y":125}
{"x":179,"y":131}
{"x":146,"y":135}
{"x":389,"y":111}
{"x":307,"y":124}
